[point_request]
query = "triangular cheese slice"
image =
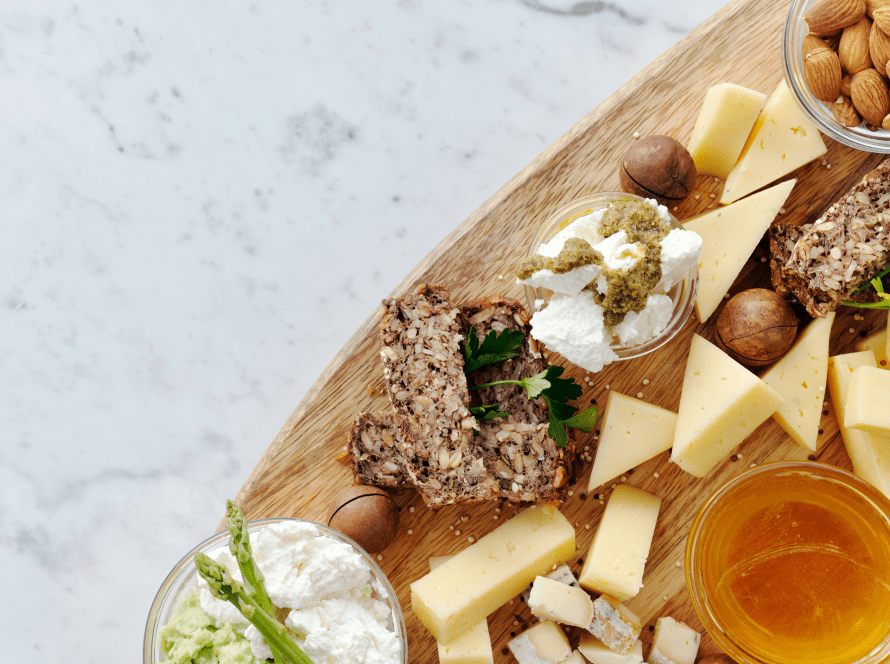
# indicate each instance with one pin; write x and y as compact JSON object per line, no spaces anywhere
{"x":799,"y":377}
{"x":632,"y":432}
{"x":783,"y":139}
{"x":869,"y":453}
{"x":721,"y":404}
{"x":729,"y":236}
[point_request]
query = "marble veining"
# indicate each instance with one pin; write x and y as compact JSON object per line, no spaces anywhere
{"x":199,"y":203}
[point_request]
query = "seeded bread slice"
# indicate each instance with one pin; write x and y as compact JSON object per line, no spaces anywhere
{"x":823,"y":263}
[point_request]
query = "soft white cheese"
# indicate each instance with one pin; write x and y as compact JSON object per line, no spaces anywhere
{"x":328,"y":587}
{"x":587,"y":228}
{"x":618,"y":255}
{"x":679,"y":252}
{"x":638,"y":327}
{"x":573,"y":327}
{"x":568,"y":283}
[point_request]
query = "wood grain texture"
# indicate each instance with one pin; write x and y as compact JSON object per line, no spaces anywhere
{"x":300,"y":470}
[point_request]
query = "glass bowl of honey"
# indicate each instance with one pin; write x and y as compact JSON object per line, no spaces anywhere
{"x":789,"y":563}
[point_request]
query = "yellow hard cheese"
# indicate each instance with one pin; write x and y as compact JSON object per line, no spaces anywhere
{"x":620,"y":546}
{"x":614,"y":624}
{"x":724,"y":122}
{"x":674,"y":643}
{"x":471,"y":647}
{"x":632,"y":432}
{"x":720,"y":405}
{"x":598,"y":653}
{"x":783,"y":139}
{"x":869,"y":453}
{"x":879,"y":342}
{"x":799,"y":377}
{"x":868,"y":401}
{"x":552,"y":600}
{"x":544,"y":643}
{"x":484,"y":576}
{"x":729,"y":236}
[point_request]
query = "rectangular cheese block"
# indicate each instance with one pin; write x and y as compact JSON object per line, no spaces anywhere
{"x":720,"y":405}
{"x":674,"y":643}
{"x":869,"y":453}
{"x":868,"y":401}
{"x":598,"y":653}
{"x":799,"y":378}
{"x":729,"y":236}
{"x":544,"y":643}
{"x":552,"y":600}
{"x":620,"y":546}
{"x":632,"y":431}
{"x":783,"y":139}
{"x":614,"y":624}
{"x":484,"y":576}
{"x":471,"y":647}
{"x":728,"y":113}
{"x":879,"y":342}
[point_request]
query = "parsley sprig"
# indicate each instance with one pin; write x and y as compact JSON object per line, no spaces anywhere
{"x":883,"y":303}
{"x":547,"y":385}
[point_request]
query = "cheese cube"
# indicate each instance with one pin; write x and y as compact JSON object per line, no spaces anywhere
{"x":563,"y":574}
{"x":674,"y":643}
{"x":799,"y":378}
{"x":545,"y":643}
{"x":620,"y":546}
{"x":879,"y":342}
{"x":724,"y":122}
{"x":614,"y":624}
{"x":552,"y":600}
{"x":783,"y":139}
{"x":720,"y":405}
{"x":729,"y":236}
{"x":471,"y":647}
{"x":484,"y":576}
{"x":598,"y":653}
{"x":869,"y":453}
{"x":632,"y":431}
{"x":868,"y":401}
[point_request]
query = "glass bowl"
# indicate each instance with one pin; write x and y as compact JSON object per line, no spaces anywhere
{"x":789,"y":563}
{"x":819,"y":112}
{"x":184,"y":577}
{"x":682,"y":294}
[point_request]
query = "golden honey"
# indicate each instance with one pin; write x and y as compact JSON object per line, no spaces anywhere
{"x":790,"y":563}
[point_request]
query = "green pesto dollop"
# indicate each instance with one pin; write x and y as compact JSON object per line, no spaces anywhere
{"x":574,"y":253}
{"x":193,"y":637}
{"x":640,"y":220}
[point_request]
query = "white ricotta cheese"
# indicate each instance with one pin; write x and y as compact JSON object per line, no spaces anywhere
{"x":573,"y":326}
{"x":328,"y":588}
{"x":679,"y":252}
{"x":638,"y":327}
{"x":569,"y":283}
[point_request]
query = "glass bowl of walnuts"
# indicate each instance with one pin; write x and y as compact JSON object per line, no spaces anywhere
{"x":836,"y":65}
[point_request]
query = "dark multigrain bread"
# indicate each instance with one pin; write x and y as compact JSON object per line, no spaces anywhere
{"x":824,"y":262}
{"x":511,"y":458}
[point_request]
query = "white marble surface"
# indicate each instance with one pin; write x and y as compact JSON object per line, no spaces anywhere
{"x":199,"y":203}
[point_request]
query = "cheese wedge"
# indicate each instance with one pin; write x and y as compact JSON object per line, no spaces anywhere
{"x":471,"y":647}
{"x":799,"y":377}
{"x":783,"y":139}
{"x":614,"y":624}
{"x":729,"y":236}
{"x":621,"y":544}
{"x":727,"y":114}
{"x":598,"y":653}
{"x":544,"y":643}
{"x":632,"y":432}
{"x":879,"y":342}
{"x":868,"y":401}
{"x":559,"y":602}
{"x":674,"y":643}
{"x":721,"y":404}
{"x":869,"y":453}
{"x":484,"y":576}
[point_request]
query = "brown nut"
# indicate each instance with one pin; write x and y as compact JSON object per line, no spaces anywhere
{"x":365,"y":514}
{"x":870,"y":96}
{"x":756,"y":327}
{"x":828,"y":17}
{"x":845,"y":113}
{"x":853,"y":49}
{"x":658,"y":167}
{"x":879,"y":48}
{"x":811,"y":43}
{"x":822,"y":70}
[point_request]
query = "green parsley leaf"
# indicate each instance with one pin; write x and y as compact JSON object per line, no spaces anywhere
{"x":490,"y":412}
{"x":584,"y":421}
{"x":494,"y":348}
{"x":878,"y":285}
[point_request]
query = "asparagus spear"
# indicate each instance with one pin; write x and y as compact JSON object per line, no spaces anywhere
{"x":253,"y":577}
{"x":223,"y":586}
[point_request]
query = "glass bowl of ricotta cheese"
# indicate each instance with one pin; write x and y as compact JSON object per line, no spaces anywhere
{"x":575,"y":325}
{"x":326,"y":588}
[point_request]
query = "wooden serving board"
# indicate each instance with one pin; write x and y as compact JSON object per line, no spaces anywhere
{"x":300,"y":471}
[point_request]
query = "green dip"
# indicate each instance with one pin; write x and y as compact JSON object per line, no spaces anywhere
{"x":193,"y":637}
